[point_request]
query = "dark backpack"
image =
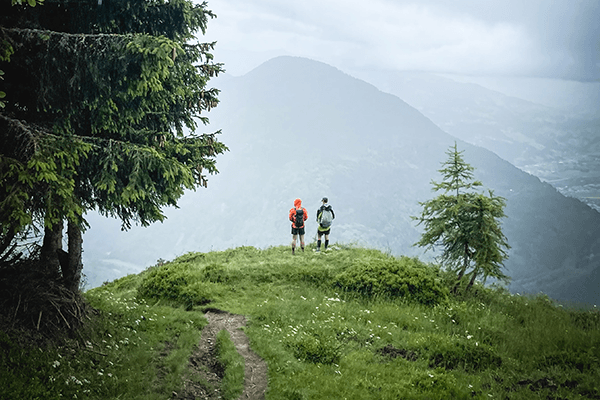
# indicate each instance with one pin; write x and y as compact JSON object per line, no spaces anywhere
{"x":299,"y":218}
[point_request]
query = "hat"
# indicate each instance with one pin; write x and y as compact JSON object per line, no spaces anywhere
{"x":324,"y":199}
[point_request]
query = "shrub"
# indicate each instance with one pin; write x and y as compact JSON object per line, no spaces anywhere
{"x":316,"y":347}
{"x":217,"y":273}
{"x":472,"y":357}
{"x":165,"y":282}
{"x":391,"y":277}
{"x":175,"y":282}
{"x":317,"y":275}
{"x":583,"y":362}
{"x":438,"y":385}
{"x":586,"y":320}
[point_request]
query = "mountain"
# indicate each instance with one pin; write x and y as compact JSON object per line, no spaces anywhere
{"x":561,"y":147}
{"x":300,"y":128}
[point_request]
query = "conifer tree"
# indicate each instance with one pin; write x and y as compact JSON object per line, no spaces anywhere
{"x":465,"y":223}
{"x":99,"y":99}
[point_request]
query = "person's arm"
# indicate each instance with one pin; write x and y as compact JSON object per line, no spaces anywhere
{"x":332,"y":213}
{"x":291,"y":217}
{"x":305,"y":214}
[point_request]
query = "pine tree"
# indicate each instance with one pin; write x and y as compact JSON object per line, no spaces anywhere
{"x":465,"y":223}
{"x":99,"y":97}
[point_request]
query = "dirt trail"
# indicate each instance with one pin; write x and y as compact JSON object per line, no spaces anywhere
{"x":203,"y":363}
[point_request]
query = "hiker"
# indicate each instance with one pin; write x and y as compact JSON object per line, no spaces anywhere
{"x":298,"y":215}
{"x":325,"y":216}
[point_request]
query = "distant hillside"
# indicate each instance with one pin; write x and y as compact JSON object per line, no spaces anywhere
{"x":558,"y":146}
{"x":299,"y":128}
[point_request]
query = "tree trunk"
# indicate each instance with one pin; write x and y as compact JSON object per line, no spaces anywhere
{"x":51,"y":247}
{"x":463,"y":269}
{"x":472,"y":281}
{"x":73,"y":267}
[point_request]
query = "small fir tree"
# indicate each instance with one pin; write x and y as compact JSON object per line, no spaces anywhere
{"x":465,"y":223}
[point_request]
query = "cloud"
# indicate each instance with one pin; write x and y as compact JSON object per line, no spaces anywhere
{"x":495,"y":37}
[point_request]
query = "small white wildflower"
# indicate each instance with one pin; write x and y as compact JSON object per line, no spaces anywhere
{"x":56,"y":364}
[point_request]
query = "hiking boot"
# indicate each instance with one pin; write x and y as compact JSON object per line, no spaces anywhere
{"x":303,"y":249}
{"x":293,"y":251}
{"x":318,"y":250}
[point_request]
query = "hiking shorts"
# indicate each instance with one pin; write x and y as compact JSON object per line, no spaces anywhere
{"x":297,"y":231}
{"x":321,"y":233}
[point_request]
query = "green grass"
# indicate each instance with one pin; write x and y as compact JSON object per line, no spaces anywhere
{"x":233,"y":366}
{"x":324,"y":331}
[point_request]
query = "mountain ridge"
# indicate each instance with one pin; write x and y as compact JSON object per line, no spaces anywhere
{"x":374,"y":156}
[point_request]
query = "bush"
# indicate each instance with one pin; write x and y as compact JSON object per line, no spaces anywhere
{"x":217,"y":273}
{"x":391,"y":277}
{"x":316,"y":347}
{"x":175,"y":282}
{"x":583,"y":362}
{"x":165,"y":282}
{"x":472,"y":357}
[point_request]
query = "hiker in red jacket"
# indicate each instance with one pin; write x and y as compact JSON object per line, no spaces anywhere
{"x":297,"y":216}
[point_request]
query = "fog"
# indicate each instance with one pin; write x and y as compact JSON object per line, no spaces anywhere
{"x":516,"y":79}
{"x":508,"y":38}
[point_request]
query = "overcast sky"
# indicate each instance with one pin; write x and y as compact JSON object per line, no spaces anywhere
{"x":533,"y":38}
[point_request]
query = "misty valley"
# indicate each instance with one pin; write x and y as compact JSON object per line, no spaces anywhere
{"x":300,"y":128}
{"x":154,"y":180}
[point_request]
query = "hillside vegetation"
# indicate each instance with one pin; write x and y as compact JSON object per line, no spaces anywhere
{"x":351,"y":323}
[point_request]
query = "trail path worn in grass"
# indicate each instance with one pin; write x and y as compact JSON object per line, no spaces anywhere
{"x":205,"y":368}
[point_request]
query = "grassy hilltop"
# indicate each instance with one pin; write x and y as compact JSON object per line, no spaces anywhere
{"x":351,"y":323}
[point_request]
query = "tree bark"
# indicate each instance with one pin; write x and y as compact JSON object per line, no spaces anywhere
{"x":472,"y":281}
{"x":51,"y":247}
{"x":72,"y":271}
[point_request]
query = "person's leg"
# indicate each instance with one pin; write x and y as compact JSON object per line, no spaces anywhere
{"x":302,"y":242}
{"x":319,"y":233}
{"x":326,"y":241}
{"x":294,"y":238}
